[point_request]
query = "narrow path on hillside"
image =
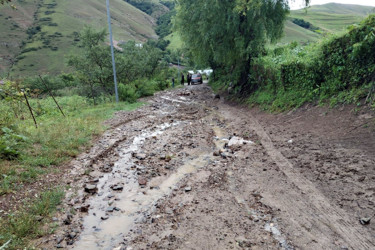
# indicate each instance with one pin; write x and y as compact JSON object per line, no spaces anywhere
{"x":189,"y":171}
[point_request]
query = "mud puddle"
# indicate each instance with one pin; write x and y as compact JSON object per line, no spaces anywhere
{"x":113,"y":213}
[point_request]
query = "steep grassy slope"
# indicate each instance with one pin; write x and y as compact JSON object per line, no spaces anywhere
{"x":294,"y":32}
{"x":333,"y":17}
{"x":13,"y":27}
{"x":154,"y":8}
{"x":54,"y":33}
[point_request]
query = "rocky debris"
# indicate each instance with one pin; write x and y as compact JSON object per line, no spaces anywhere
{"x":105,"y":217}
{"x":185,"y":93}
{"x":91,"y":188}
{"x":68,"y":219}
{"x":225,"y":155}
{"x":365,"y":220}
{"x":216,"y":153}
{"x":140,"y":156}
{"x":93,"y":181}
{"x":59,"y":239}
{"x":84,"y":208}
{"x":110,"y":209}
{"x":39,"y":218}
{"x":217,"y":96}
{"x":142,"y":181}
{"x":188,"y":189}
{"x":106,"y":169}
{"x":117,"y":187}
{"x":238,"y":141}
{"x":72,"y":235}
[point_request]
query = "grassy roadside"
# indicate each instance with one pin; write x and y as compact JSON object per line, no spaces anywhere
{"x":35,"y":152}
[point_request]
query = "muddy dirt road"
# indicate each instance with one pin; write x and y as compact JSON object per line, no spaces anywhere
{"x":189,"y":171}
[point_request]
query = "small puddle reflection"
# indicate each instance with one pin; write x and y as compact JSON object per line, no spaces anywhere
{"x":133,"y":203}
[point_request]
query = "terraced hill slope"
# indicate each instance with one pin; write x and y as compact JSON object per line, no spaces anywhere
{"x":40,"y":33}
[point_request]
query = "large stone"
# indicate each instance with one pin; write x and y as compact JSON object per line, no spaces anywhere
{"x":117,"y":187}
{"x":140,"y":156}
{"x":90,"y":188}
{"x":142,"y":181}
{"x":237,"y":141}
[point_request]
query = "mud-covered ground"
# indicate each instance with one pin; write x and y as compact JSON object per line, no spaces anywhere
{"x":189,"y":171}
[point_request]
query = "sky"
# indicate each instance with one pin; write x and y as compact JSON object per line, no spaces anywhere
{"x":298,"y":3}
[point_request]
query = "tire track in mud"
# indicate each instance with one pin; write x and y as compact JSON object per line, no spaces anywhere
{"x":183,"y":187}
{"x":306,"y":207}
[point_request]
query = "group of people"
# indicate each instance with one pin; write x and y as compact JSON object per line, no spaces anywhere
{"x":188,"y":76}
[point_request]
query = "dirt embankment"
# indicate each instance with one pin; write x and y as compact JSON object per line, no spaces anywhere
{"x":189,"y":171}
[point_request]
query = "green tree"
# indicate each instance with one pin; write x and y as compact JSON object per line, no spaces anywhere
{"x":94,"y":66}
{"x":227,"y":34}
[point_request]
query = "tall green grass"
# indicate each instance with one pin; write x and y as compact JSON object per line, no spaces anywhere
{"x":57,"y":138}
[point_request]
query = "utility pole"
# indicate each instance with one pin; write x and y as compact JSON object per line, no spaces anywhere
{"x":112,"y":50}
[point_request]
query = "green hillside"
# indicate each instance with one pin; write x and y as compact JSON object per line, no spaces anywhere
{"x":333,"y":17}
{"x":51,"y":31}
{"x":330,"y":18}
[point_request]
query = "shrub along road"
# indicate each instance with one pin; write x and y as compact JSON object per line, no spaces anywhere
{"x":190,"y":171}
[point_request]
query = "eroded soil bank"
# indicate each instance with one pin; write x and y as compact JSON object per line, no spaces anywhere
{"x":189,"y":171}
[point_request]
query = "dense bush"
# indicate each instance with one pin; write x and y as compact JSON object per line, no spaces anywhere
{"x":304,"y":24}
{"x":290,"y":75}
{"x":127,"y":93}
{"x":10,"y":143}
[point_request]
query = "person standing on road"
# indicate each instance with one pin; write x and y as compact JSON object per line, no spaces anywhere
{"x":182,"y":79}
{"x":188,"y":78}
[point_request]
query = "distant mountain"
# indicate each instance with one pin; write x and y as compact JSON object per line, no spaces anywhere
{"x":38,"y":35}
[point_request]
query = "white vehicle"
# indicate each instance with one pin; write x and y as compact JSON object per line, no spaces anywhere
{"x":208,"y":72}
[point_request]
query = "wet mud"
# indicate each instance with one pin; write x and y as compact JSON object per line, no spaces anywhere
{"x":189,"y":171}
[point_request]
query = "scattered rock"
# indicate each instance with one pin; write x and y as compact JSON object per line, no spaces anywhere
{"x":68,"y":219}
{"x":39,"y":218}
{"x":142,"y":181}
{"x":162,"y":157}
{"x":84,"y":208}
{"x":91,"y":189}
{"x":105,"y":217}
{"x":54,"y":219}
{"x":216,"y":153}
{"x":290,"y":141}
{"x":106,"y":169}
{"x":217,"y":96}
{"x":188,"y":189}
{"x":237,"y":141}
{"x":110,"y":209}
{"x":117,"y":187}
{"x":225,"y":155}
{"x":365,"y":220}
{"x":140,"y":156}
{"x":362,"y":178}
{"x":72,"y":235}
{"x":59,"y":239}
